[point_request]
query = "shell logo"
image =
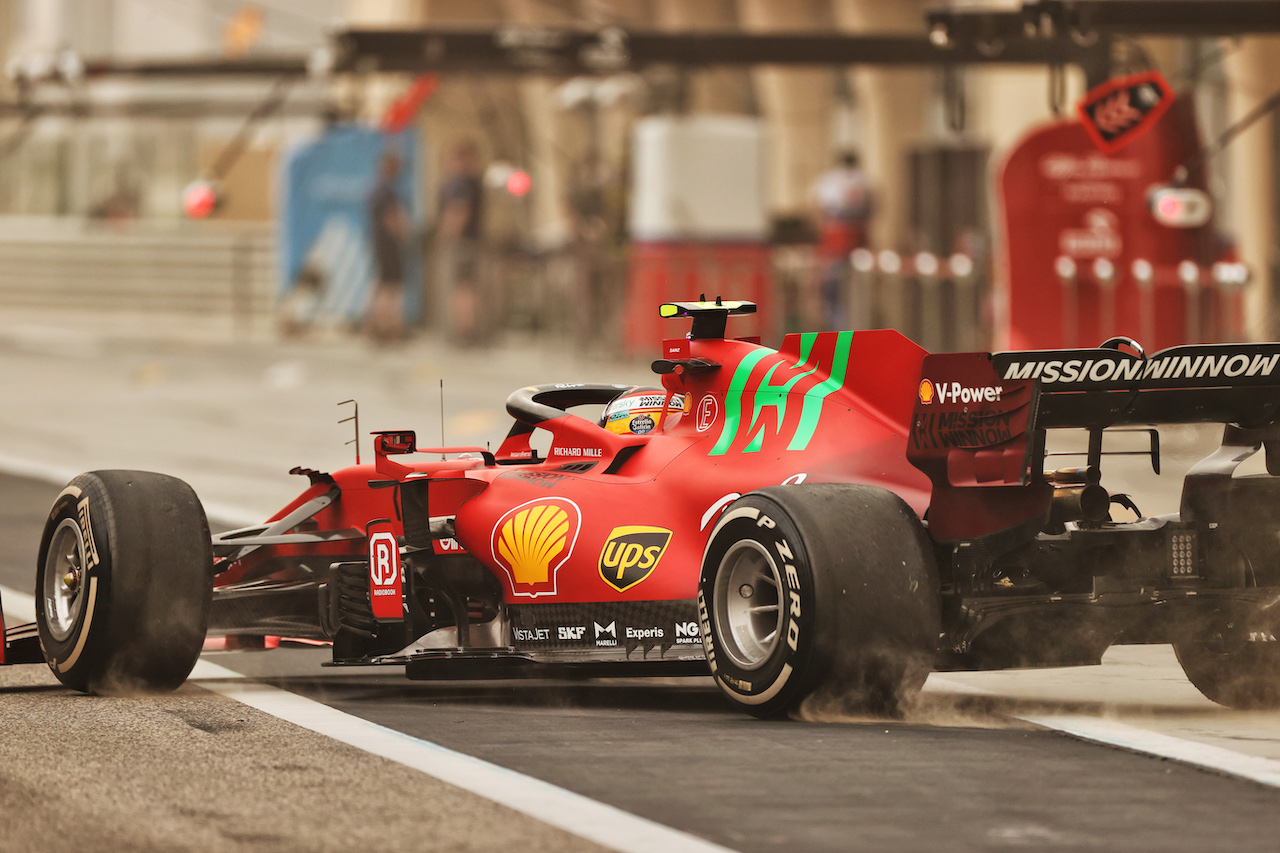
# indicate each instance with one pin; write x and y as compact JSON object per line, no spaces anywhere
{"x":532,"y":541}
{"x":926,"y":391}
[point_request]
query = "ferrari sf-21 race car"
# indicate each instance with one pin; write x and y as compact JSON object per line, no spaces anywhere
{"x":836,"y":518}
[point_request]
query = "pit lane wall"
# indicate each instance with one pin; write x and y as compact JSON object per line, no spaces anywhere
{"x":135,"y":267}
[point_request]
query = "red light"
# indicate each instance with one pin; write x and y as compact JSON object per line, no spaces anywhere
{"x":1180,"y":207}
{"x":518,"y":183}
{"x":1170,"y":206}
{"x":199,"y":199}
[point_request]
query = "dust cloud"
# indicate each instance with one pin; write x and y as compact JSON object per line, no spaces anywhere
{"x":943,"y":710}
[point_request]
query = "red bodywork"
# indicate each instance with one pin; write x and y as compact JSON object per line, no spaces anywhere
{"x":618,"y":518}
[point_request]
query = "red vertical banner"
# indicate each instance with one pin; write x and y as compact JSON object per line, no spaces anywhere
{"x":1075,"y":221}
{"x":386,"y":583}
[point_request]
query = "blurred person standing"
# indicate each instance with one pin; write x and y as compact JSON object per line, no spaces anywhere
{"x":124,"y":202}
{"x":590,"y":237}
{"x":461,"y":227}
{"x":388,"y":227}
{"x":844,"y":200}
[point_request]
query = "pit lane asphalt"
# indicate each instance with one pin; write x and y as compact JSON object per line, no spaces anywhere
{"x":195,"y":771}
{"x":230,"y":414}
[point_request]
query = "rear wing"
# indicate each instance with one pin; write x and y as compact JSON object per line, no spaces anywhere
{"x":1198,"y":383}
{"x":978,"y":417}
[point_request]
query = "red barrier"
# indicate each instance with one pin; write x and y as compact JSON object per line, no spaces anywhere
{"x":681,"y":272}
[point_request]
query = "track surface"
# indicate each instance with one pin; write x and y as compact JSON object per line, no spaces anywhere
{"x":197,"y":771}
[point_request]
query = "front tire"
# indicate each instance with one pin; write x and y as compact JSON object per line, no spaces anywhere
{"x":828,"y":590}
{"x":124,"y":582}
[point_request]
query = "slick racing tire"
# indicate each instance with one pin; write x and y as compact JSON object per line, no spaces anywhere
{"x":124,"y":583}
{"x":1232,"y":664}
{"x":828,"y":590}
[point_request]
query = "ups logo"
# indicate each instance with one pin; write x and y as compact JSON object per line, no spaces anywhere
{"x":631,"y":553}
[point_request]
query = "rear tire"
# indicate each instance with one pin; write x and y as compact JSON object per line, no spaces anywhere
{"x":827,"y":590}
{"x":1231,"y":664}
{"x":124,"y":583}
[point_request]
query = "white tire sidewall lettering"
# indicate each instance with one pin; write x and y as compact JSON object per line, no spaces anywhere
{"x":759,"y":686}
{"x":62,"y":655}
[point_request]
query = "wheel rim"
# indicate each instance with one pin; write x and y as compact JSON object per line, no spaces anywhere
{"x":748,"y":605}
{"x":64,"y":580}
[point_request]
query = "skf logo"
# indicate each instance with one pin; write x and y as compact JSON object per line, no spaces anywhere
{"x":926,"y":391}
{"x":385,"y":591}
{"x":631,"y":553}
{"x":572,"y":632}
{"x":532,"y":541}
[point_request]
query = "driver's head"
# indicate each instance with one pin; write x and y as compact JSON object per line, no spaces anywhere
{"x":638,"y":410}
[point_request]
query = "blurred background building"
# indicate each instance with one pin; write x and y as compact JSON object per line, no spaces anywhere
{"x":596,"y":193}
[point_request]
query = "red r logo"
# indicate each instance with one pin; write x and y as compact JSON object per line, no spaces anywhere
{"x":386,"y":595}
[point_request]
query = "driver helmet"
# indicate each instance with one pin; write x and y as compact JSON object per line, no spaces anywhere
{"x":639,"y":410}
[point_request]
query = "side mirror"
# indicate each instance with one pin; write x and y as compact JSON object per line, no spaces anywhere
{"x":396,"y":443}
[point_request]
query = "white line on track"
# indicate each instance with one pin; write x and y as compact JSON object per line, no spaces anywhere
{"x":21,"y":467}
{"x":20,"y":606}
{"x":1257,"y":768}
{"x":1134,"y":739}
{"x":558,"y":807}
{"x":585,"y":817}
{"x":569,"y":811}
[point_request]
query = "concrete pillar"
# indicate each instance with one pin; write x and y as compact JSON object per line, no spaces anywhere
{"x":715,"y":90}
{"x":452,"y":114}
{"x":891,"y":109}
{"x":796,"y":102}
{"x":8,"y":45}
{"x":892,"y":106}
{"x":374,"y":93}
{"x":39,"y":26}
{"x":1251,"y":73}
{"x":376,"y":13}
{"x":1006,"y":102}
{"x":551,"y":142}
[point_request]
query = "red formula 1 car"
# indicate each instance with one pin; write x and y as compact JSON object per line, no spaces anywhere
{"x":836,"y":517}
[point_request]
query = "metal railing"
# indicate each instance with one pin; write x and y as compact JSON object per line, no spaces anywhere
{"x":938,"y":302}
{"x":573,"y":297}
